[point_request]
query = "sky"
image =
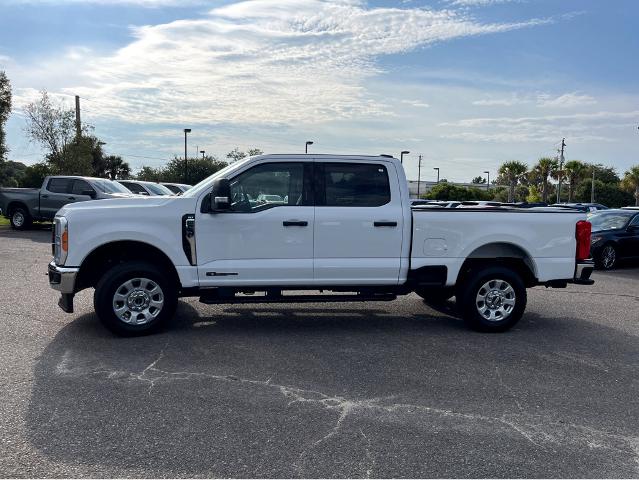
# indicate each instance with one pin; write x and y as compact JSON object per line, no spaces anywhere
{"x":468,"y":84}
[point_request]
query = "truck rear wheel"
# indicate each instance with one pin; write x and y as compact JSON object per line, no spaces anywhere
{"x":135,"y":298}
{"x":492,"y":299}
{"x":20,"y":219}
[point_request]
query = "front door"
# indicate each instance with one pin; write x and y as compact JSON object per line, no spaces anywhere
{"x":56,"y":196}
{"x":266,"y":238}
{"x":358,"y":224}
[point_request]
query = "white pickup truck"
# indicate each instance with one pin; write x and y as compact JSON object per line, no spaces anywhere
{"x":274,"y":228}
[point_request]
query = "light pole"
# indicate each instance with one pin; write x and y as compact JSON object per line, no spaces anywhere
{"x":186,"y":162}
{"x":592,"y":187}
{"x":202,"y":152}
{"x":487,"y":181}
{"x":437,"y":168}
{"x":419,"y":174}
{"x":306,"y":146}
{"x":401,"y":155}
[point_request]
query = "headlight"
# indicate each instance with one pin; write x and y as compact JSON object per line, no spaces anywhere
{"x":60,"y":240}
{"x":595,"y":239}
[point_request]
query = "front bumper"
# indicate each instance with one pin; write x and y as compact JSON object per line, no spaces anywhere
{"x":583,"y":270}
{"x":62,"y":279}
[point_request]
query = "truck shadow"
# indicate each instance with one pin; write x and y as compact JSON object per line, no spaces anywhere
{"x":40,"y":233}
{"x":246,"y":391}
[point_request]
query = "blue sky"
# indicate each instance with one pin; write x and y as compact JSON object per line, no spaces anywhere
{"x":467,"y":83}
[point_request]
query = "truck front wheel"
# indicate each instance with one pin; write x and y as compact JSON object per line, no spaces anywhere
{"x":20,"y":219}
{"x":135,"y":298}
{"x":492,"y":299}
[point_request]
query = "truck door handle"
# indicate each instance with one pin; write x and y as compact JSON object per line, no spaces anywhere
{"x":44,"y":196}
{"x":295,"y":223}
{"x":385,"y":224}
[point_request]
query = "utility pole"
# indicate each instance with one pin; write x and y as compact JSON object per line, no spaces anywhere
{"x":419,"y":174}
{"x":487,"y":181}
{"x":78,"y":124}
{"x":561,"y":164}
{"x":437,"y":168}
{"x":186,"y":161}
{"x":592,"y":187}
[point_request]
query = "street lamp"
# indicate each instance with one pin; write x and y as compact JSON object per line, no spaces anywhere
{"x":419,"y":174}
{"x":437,"y":168}
{"x":202,"y":152}
{"x":186,"y":171}
{"x":401,"y":155}
{"x":487,"y":181}
{"x":306,"y":146}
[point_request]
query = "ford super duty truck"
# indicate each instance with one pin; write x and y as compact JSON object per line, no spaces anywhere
{"x":310,"y":228}
{"x":24,"y":205}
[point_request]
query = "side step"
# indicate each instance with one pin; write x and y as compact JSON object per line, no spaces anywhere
{"x":214,"y":297}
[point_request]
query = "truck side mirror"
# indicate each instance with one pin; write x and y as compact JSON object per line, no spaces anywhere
{"x":89,"y":193}
{"x":219,"y":200}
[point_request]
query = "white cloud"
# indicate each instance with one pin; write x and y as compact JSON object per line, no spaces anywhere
{"x":416,"y":103}
{"x":261,"y":62}
{"x":478,"y":3}
{"x":567,"y":100}
{"x":140,"y":3}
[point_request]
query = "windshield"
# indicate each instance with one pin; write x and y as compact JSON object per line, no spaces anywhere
{"x":609,"y":220}
{"x":158,"y":189}
{"x":196,"y":189}
{"x":107,"y":186}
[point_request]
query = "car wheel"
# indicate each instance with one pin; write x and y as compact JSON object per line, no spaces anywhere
{"x":436,"y":295}
{"x":20,"y":219}
{"x":135,"y":299}
{"x":492,"y":299}
{"x":607,"y":257}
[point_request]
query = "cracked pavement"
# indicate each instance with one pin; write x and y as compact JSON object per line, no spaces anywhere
{"x":317,"y":390}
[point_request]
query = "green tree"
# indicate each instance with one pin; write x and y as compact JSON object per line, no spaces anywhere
{"x":602,"y":173}
{"x":511,"y":173}
{"x":449,"y":191}
{"x":543,"y":169}
{"x":630,"y":182}
{"x":235,"y":155}
{"x":150,"y":174}
{"x":609,"y":194}
{"x":33,"y":175}
{"x":479,"y":180}
{"x":5,"y":110}
{"x":116,"y":168}
{"x":11,"y":173}
{"x":575,"y":171}
{"x":252,"y":152}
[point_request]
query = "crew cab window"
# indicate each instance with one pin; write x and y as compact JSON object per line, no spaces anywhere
{"x":80,"y":186}
{"x":355,"y":185}
{"x":59,"y":185}
{"x":268,"y":185}
{"x":135,"y":188}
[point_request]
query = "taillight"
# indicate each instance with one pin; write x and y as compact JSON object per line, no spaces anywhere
{"x":582,"y":234}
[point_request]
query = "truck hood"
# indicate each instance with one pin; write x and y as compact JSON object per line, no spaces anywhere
{"x":123,"y":204}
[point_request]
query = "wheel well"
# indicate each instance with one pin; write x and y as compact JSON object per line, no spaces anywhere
{"x":107,"y":255}
{"x":13,"y":205}
{"x":500,"y":254}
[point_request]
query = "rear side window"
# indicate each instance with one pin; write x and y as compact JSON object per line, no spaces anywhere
{"x":355,"y":185}
{"x":59,"y":185}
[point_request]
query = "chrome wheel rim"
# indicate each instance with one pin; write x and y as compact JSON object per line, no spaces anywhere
{"x":138,"y":301}
{"x":608,"y":257}
{"x":495,"y":300}
{"x":18,"y":219}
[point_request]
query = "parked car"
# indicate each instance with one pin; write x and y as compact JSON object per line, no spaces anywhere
{"x":584,"y":207}
{"x":435,"y":203}
{"x":149,"y":189}
{"x":177,"y":188}
{"x":353,"y":230}
{"x":615,"y":236}
{"x":266,"y":198}
{"x":22,"y":206}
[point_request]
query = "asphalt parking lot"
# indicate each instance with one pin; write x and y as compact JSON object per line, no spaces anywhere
{"x":355,"y":390}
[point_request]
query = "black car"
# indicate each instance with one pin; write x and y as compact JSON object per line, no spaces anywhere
{"x":583,"y":207}
{"x":615,"y":235}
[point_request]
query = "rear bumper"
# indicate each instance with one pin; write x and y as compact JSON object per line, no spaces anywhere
{"x":62,"y":279}
{"x":583,"y":270}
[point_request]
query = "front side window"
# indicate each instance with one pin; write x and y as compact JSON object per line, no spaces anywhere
{"x":355,"y":185}
{"x":158,"y":189}
{"x":268,"y":185}
{"x":80,"y":186}
{"x":59,"y":185}
{"x":135,"y":188}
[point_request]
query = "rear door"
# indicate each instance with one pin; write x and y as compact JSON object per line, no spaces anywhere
{"x":56,"y":196}
{"x":358,"y":224}
{"x":79,"y":190}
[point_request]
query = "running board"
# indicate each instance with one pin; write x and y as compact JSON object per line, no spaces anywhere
{"x":214,"y":298}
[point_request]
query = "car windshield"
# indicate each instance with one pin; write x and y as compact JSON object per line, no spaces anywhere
{"x":108,"y":186}
{"x":158,"y":189}
{"x":609,"y":220}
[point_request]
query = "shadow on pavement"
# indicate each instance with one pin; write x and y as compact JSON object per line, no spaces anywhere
{"x":40,"y":233}
{"x":263,"y":391}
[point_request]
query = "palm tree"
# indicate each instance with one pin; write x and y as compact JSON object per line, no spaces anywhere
{"x":116,"y":167}
{"x":544,"y":167}
{"x":575,"y":172}
{"x":631,"y":182}
{"x":512,"y":172}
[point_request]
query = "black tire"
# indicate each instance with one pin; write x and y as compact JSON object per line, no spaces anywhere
{"x":20,"y":218}
{"x":607,"y":257}
{"x":113,"y":280}
{"x":435,"y":295}
{"x":472,"y":288}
